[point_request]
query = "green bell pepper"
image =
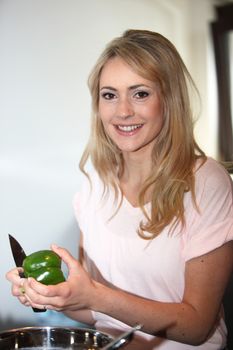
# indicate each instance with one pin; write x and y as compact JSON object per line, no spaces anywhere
{"x":44,"y":266}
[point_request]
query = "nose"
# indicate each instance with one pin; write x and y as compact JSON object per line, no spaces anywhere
{"x":124,"y":108}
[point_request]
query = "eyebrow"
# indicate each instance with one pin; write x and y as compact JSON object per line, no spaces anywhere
{"x":133,"y":87}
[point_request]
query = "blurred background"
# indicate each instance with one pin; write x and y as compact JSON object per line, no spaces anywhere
{"x":47,"y":49}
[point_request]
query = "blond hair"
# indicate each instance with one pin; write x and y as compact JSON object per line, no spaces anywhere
{"x":155,"y":58}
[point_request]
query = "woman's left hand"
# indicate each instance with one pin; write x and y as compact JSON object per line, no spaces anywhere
{"x":73,"y":294}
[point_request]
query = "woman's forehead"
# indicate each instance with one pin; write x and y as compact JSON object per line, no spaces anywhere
{"x":117,"y":70}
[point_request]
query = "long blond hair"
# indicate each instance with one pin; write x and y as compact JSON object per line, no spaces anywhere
{"x":155,"y":58}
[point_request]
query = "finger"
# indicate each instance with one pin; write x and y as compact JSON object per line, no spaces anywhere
{"x":54,"y":297}
{"x":13,"y":275}
{"x":68,"y":259}
{"x":30,"y":294}
{"x":41,"y":302}
{"x":17,"y":289}
{"x":19,"y":292}
{"x":45,"y":290}
{"x":23,"y":300}
{"x":63,"y":253}
{"x":40,"y":293}
{"x":44,"y":307}
{"x":32,"y":288}
{"x":35,"y":305}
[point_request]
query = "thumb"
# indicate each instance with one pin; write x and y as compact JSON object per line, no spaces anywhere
{"x":68,"y":259}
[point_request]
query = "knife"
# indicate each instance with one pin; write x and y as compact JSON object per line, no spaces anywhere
{"x":19,"y":255}
{"x":123,"y":339}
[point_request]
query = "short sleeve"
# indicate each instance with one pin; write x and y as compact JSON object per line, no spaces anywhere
{"x":212,"y":225}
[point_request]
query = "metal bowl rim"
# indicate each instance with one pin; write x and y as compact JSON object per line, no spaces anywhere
{"x":11,"y":332}
{"x":28,"y":328}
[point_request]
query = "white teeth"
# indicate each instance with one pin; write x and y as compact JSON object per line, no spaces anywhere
{"x":129,"y":128}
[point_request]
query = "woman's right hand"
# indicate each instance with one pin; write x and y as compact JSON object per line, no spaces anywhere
{"x":17,"y":282}
{"x":74,"y":294}
{"x":17,"y":289}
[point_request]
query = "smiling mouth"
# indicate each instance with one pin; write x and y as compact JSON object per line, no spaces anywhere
{"x":128,"y":128}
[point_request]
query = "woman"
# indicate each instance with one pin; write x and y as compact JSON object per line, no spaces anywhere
{"x":156,"y":214}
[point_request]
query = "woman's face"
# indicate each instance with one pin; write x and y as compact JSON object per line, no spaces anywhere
{"x":129,"y":107}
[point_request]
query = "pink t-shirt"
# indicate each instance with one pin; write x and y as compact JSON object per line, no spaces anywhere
{"x":116,"y":256}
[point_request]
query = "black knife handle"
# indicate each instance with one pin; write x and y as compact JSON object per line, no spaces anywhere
{"x":38,"y":310}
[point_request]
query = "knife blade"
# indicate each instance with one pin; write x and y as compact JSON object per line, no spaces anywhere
{"x":19,"y":255}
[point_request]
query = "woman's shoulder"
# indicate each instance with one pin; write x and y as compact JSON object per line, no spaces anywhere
{"x":210,"y":168}
{"x":89,"y":182}
{"x":87,"y":194}
{"x":212,"y":173}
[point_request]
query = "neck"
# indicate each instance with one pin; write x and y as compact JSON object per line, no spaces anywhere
{"x":137,"y":166}
{"x":136,"y":171}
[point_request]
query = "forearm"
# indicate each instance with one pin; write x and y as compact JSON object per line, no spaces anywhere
{"x":83,"y":316}
{"x":176,"y":321}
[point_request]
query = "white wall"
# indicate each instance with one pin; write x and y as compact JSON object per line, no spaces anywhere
{"x":201,"y":63}
{"x":47,"y":48}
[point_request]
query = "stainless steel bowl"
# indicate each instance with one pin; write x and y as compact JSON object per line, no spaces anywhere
{"x":53,"y":338}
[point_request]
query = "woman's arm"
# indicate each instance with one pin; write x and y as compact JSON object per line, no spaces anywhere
{"x":189,"y":322}
{"x":83,"y":316}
